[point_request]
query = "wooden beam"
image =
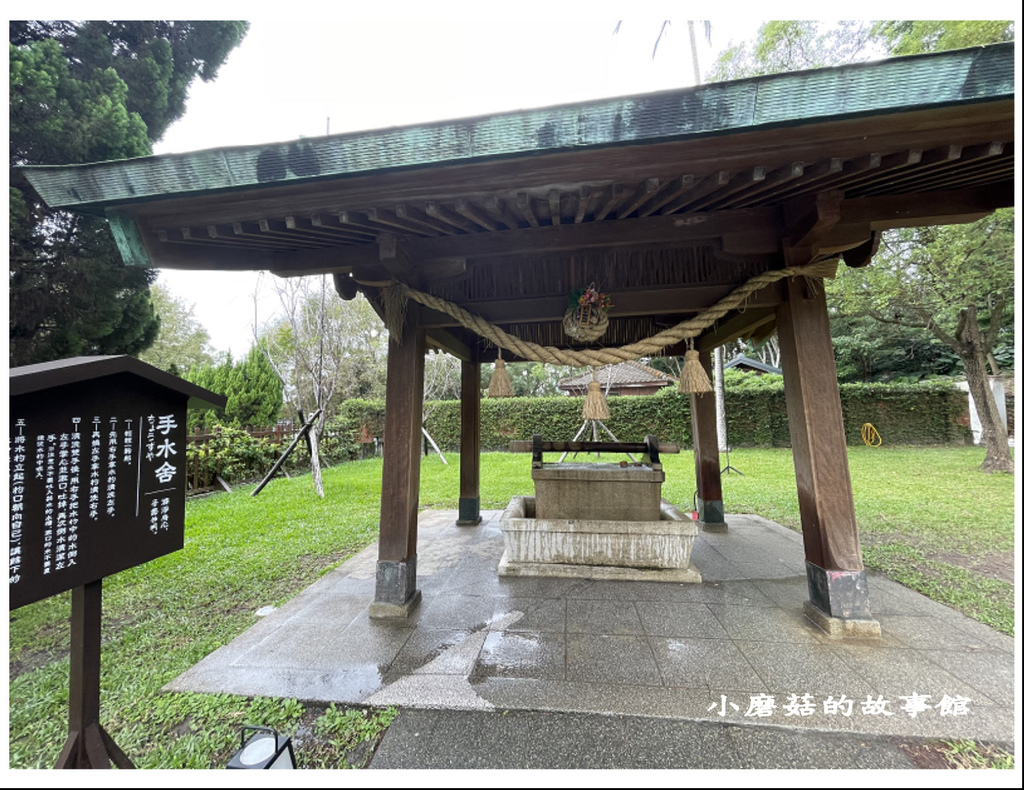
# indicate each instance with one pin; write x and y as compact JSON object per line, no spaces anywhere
{"x":660,"y":300}
{"x":498,"y":207}
{"x":738,"y":184}
{"x":861,"y":255}
{"x":449,"y":217}
{"x":807,"y":222}
{"x":346,"y":287}
{"x":277,"y":229}
{"x":555,"y":206}
{"x":830,"y":174}
{"x":394,"y":256}
{"x":643,"y":193}
{"x":329,"y":222}
{"x":709,"y":184}
{"x":734,"y":327}
{"x":773,"y":181}
{"x":360,"y":221}
{"x":323,"y":233}
{"x":447,"y":341}
{"x":205,"y":257}
{"x":667,"y":194}
{"x":390,"y":220}
{"x":582,"y":203}
{"x":566,"y":238}
{"x":926,"y":208}
{"x":965,"y":175}
{"x":525,"y":207}
{"x":414,"y":216}
{"x":473,"y":214}
{"x":614,"y":199}
{"x":667,"y":230}
{"x":214,"y":237}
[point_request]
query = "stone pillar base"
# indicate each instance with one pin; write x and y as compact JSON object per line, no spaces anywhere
{"x":381,"y":610}
{"x":469,"y":512}
{"x":839,"y":602}
{"x":711,"y":515}
{"x":839,"y":628}
{"x":396,"y":594}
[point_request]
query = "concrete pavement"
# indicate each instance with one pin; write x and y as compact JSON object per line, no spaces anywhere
{"x":732,"y":663}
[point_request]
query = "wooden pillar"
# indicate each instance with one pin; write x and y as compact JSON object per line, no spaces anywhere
{"x":396,"y":593}
{"x":469,"y":448}
{"x":710,"y":510}
{"x":837,"y":582}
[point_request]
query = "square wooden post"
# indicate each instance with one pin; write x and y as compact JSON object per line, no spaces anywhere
{"x":469,"y":447}
{"x":88,"y":745}
{"x":837,"y":583}
{"x":396,"y":593}
{"x":710,"y":510}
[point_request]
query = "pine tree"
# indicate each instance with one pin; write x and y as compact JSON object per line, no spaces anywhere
{"x":255,"y":393}
{"x":86,"y":92}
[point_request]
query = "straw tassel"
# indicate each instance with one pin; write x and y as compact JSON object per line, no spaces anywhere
{"x":500,"y":386}
{"x":595,"y":407}
{"x":693,"y":378}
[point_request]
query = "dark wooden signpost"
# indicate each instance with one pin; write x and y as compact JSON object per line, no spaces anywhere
{"x":97,"y":485}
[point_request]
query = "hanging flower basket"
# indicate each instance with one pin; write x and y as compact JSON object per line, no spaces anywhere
{"x":587,"y":316}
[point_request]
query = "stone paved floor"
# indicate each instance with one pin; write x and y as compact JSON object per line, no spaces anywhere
{"x":668,"y":650}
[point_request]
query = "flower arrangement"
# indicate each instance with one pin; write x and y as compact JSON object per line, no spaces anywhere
{"x":590,"y":296}
{"x":586,"y":319}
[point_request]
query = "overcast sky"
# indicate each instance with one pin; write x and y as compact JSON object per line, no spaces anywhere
{"x":291,"y":78}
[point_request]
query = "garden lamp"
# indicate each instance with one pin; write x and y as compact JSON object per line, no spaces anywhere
{"x":265,"y":749}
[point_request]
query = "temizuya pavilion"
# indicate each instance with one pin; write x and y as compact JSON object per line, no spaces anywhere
{"x":669,"y":201}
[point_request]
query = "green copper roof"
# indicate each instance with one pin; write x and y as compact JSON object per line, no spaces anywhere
{"x":895,"y":85}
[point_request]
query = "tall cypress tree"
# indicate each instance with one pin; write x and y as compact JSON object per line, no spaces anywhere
{"x":86,"y":92}
{"x":255,"y":393}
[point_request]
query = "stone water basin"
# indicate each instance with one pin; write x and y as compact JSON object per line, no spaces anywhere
{"x":601,"y":491}
{"x":642,"y":550}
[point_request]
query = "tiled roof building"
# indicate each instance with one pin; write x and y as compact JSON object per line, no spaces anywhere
{"x":625,"y":378}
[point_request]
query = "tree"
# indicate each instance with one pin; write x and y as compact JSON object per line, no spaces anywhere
{"x":442,"y":378}
{"x":255,"y":393}
{"x":795,"y":45}
{"x":532,"y":379}
{"x":956,"y":282}
{"x":325,"y":349}
{"x":932,"y":35}
{"x":182,"y":343}
{"x":868,"y":350}
{"x":251,"y":386}
{"x":86,"y":92}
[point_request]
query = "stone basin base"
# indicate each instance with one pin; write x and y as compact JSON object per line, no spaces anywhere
{"x":597,"y":549}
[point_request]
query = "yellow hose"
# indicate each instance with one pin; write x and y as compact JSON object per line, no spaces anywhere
{"x":870,"y":436}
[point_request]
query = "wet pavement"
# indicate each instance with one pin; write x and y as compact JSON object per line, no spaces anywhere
{"x":734,"y":654}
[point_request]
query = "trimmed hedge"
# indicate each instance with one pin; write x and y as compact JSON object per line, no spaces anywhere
{"x":922,"y":413}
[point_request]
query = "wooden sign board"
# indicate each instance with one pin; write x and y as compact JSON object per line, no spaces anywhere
{"x":97,"y":471}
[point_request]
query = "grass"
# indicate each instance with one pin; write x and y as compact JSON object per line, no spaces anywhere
{"x":160,"y":618}
{"x":920,"y":511}
{"x":959,"y":754}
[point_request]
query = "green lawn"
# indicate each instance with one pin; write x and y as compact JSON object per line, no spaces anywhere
{"x":924,"y":514}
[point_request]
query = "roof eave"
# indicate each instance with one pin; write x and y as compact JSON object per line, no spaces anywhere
{"x":793,"y":99}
